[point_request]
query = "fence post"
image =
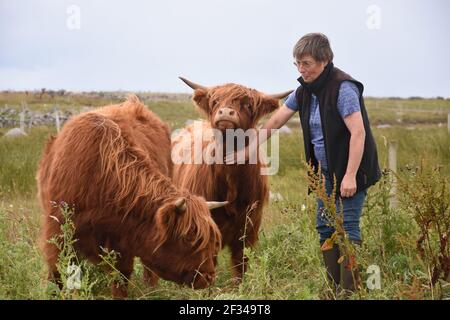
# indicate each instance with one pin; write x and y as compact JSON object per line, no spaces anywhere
{"x":58,"y":124}
{"x":22,"y":117}
{"x":22,"y":121}
{"x":448,"y":123}
{"x":393,"y":169}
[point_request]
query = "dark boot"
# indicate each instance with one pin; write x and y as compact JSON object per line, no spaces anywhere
{"x":330,"y":259}
{"x":350,"y":280}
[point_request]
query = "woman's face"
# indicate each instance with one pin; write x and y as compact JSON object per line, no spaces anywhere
{"x":309,"y":68}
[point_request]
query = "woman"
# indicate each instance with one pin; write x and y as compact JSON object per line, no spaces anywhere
{"x":337,"y":137}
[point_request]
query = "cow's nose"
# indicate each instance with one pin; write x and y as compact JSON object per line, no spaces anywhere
{"x":210,"y":278}
{"x":226,"y":112}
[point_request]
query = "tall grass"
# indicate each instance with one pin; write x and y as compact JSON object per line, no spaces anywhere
{"x":286,"y":263}
{"x":19,"y":157}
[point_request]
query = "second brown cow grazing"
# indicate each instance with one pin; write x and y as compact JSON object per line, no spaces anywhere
{"x":229,"y":106}
{"x":113,"y":165}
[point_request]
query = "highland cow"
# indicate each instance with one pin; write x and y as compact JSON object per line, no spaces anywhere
{"x":113,"y":166}
{"x":228,"y":107}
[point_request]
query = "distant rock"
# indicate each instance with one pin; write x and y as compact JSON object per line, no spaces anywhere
{"x":275,"y":196}
{"x":15,"y":132}
{"x":285,"y":130}
{"x":9,"y":117}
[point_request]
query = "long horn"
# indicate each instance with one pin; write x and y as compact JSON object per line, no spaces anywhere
{"x":215,"y":204}
{"x":191,"y":84}
{"x":279,"y":96}
{"x":180,"y":203}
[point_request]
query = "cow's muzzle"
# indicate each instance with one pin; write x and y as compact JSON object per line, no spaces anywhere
{"x":226,"y":118}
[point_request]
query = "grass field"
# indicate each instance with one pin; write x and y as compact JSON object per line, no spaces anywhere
{"x":286,"y":264}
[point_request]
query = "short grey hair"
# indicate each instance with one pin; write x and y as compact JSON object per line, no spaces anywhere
{"x":316,"y":45}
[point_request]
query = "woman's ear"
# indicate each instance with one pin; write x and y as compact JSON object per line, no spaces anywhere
{"x":200,"y":98}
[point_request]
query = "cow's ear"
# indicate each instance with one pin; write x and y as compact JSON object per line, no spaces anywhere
{"x":167,"y":217}
{"x":268,"y":105}
{"x":200,"y":97}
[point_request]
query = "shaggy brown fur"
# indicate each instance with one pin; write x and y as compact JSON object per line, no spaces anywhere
{"x":242,"y":185}
{"x":112,"y":165}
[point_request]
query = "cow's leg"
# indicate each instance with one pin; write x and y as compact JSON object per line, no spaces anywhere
{"x":238,"y":262}
{"x":51,"y":254}
{"x":150,"y":277}
{"x":119,"y":287}
{"x":54,"y":275}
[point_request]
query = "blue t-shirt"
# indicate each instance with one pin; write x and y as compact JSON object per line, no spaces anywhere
{"x":348,"y":103}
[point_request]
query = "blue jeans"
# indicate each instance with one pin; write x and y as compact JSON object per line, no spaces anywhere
{"x":352,"y":208}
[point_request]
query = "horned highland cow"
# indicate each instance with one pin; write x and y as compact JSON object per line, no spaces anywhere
{"x":113,"y":166}
{"x":228,"y":107}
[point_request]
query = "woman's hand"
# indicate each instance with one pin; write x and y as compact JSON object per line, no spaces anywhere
{"x":348,"y":185}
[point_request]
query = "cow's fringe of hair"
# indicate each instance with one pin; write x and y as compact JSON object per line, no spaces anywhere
{"x":137,"y":187}
{"x":195,"y":219}
{"x":236,"y":92}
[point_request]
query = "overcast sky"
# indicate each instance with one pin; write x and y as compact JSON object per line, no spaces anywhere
{"x":395,"y":47}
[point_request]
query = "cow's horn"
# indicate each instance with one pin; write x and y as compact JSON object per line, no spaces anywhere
{"x":215,"y":204}
{"x":279,"y":96}
{"x":180,"y":203}
{"x":191,"y":84}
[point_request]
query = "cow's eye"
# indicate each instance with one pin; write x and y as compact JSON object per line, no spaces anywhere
{"x":189,"y":238}
{"x":247,"y":106}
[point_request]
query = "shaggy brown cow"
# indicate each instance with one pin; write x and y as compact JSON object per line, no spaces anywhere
{"x":229,"y":106}
{"x":113,"y":164}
